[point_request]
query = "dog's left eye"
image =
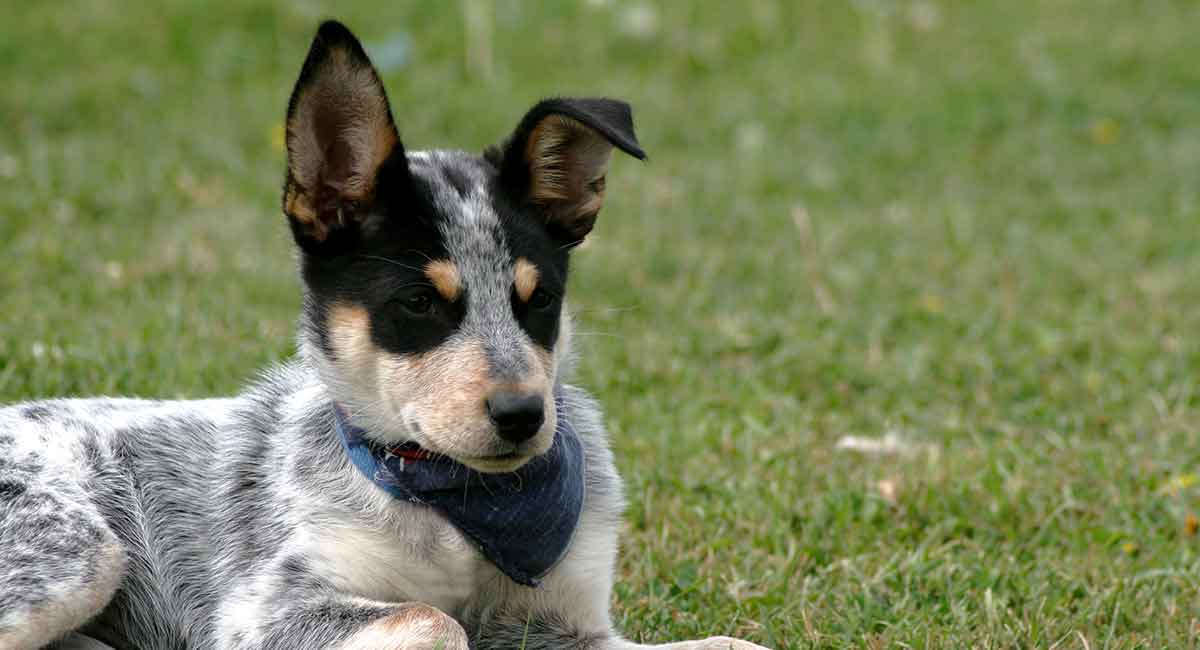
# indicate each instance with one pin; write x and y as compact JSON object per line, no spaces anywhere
{"x":540,"y":299}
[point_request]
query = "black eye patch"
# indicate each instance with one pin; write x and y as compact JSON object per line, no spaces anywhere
{"x":386,"y":276}
{"x":408,"y":314}
{"x":539,"y":282}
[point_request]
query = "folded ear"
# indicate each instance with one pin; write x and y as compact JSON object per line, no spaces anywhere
{"x":558,"y":156}
{"x":339,"y":135}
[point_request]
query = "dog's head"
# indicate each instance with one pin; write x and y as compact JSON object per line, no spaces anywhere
{"x":435,"y":280}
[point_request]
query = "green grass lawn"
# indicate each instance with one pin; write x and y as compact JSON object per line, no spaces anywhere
{"x":972,"y":226}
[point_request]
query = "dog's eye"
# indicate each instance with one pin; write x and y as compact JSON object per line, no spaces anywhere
{"x":540,"y":299}
{"x":417,"y":303}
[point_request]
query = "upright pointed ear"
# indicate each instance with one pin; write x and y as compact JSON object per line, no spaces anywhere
{"x":340,"y":134}
{"x":557,"y":159}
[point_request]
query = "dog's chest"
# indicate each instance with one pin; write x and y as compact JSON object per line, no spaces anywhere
{"x":423,"y":557}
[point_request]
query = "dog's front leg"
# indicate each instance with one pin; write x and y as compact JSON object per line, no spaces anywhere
{"x":569,"y":611}
{"x":711,"y":643}
{"x":554,"y":631}
{"x":297,"y":619}
{"x":409,"y":625}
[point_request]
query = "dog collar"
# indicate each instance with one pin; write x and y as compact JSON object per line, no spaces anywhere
{"x":521,"y":521}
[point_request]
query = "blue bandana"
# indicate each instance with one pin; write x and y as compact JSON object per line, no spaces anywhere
{"x":522,"y":521}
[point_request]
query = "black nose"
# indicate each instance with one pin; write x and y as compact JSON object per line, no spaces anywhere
{"x":517,"y":415}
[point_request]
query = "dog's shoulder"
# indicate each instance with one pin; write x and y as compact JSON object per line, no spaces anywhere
{"x":586,"y":417}
{"x":605,"y":496}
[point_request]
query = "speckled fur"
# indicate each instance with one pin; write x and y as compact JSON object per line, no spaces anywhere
{"x":216,"y":520}
{"x":239,"y":523}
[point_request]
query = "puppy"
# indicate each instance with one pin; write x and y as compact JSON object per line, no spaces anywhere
{"x":419,"y":477}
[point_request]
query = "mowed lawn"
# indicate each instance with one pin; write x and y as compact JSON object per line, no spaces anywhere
{"x":969,"y":230}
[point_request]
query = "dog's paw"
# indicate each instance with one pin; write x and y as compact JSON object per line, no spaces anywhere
{"x":415,"y":626}
{"x":726,"y":643}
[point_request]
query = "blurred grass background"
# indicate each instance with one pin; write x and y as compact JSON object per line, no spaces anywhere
{"x":967,"y":229}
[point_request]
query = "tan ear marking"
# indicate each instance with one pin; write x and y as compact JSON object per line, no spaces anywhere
{"x":352,"y":101}
{"x":443,"y":274}
{"x":525,"y":278}
{"x":567,"y":162}
{"x":339,"y":134}
{"x":296,"y":204}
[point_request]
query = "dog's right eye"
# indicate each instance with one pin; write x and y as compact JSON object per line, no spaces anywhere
{"x":418,"y":303}
{"x":540,"y":299}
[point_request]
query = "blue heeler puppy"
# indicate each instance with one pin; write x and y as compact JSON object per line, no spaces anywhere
{"x":419,"y":477}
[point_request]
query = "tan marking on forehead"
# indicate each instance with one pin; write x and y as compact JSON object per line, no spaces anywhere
{"x":525,"y":278}
{"x":444,"y":276}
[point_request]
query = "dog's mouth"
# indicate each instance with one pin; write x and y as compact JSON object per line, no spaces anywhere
{"x":494,"y":456}
{"x":496,"y":464}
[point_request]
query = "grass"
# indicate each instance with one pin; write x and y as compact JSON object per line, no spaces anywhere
{"x":973,"y":226}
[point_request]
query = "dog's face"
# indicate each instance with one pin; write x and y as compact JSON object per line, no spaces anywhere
{"x":435,"y":280}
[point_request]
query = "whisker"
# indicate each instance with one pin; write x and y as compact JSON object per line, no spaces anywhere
{"x":421,"y":253}
{"x":364,"y":408}
{"x":391,"y":261}
{"x":608,"y":334}
{"x":482,"y":483}
{"x":603,"y":310}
